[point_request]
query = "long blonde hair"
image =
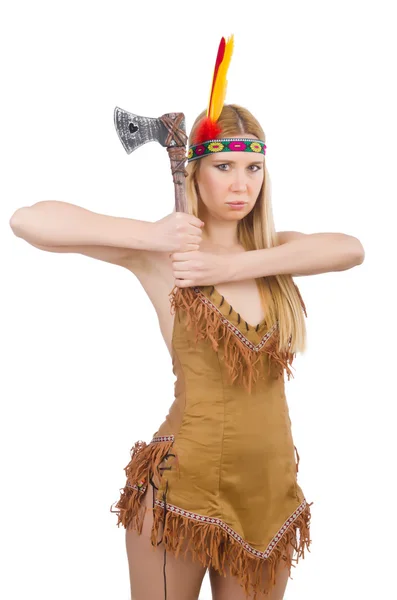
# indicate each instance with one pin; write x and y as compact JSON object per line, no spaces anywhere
{"x":280,"y":296}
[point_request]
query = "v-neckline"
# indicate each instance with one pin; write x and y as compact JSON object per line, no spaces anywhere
{"x":219,"y":300}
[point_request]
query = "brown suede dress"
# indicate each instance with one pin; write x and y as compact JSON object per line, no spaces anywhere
{"x":224,"y":458}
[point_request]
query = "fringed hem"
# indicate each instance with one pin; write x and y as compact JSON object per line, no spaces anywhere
{"x":209,"y":541}
{"x":212,"y":545}
{"x":145,"y":461}
{"x":240,"y":354}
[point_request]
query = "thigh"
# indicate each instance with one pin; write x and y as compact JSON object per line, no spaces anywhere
{"x":228,"y":588}
{"x":146,"y":565}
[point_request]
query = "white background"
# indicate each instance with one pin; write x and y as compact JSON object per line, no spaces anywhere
{"x":80,"y":339}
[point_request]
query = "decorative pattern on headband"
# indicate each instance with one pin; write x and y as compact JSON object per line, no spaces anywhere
{"x":226,"y":145}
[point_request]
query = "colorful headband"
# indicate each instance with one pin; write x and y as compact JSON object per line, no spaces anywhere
{"x":226,"y":145}
{"x":207,"y":139}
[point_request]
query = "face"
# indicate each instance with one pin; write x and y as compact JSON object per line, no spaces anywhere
{"x":225,"y":178}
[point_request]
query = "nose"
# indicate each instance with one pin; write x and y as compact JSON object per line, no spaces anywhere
{"x":239,"y":183}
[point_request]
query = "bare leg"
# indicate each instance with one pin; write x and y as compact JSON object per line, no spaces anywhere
{"x":146,"y":565}
{"x":228,"y":588}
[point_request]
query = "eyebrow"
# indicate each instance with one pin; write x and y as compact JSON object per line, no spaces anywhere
{"x":233,"y":162}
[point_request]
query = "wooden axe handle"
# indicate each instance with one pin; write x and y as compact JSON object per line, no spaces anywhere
{"x":176,"y":148}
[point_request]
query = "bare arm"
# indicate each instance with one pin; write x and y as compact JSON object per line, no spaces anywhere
{"x":300,"y":254}
{"x":57,"y":226}
{"x":56,"y":223}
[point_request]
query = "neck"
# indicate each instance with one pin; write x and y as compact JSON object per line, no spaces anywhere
{"x":219,"y":235}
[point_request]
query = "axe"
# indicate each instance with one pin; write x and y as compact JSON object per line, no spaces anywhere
{"x":169,"y":130}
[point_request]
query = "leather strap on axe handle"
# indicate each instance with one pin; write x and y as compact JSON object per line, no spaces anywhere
{"x":176,"y":147}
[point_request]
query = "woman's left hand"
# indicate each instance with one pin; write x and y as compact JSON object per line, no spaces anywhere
{"x":199,"y":268}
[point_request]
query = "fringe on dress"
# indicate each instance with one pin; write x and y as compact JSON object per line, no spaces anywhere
{"x":209,"y":543}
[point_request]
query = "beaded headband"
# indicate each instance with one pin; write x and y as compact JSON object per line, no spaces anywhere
{"x":208,"y":137}
{"x":226,"y":145}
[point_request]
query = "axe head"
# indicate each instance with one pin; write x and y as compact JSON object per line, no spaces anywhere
{"x":134,"y":130}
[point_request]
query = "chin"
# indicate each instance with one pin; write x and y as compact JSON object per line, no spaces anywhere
{"x":235,"y":215}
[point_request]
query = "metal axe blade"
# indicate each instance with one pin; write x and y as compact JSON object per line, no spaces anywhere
{"x":135,"y":130}
{"x":169,"y":130}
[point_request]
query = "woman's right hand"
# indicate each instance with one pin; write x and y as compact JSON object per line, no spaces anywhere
{"x":178,"y":232}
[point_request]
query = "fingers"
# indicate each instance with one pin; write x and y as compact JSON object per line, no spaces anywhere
{"x":183,"y":283}
{"x":196,"y":221}
{"x":191,"y":222}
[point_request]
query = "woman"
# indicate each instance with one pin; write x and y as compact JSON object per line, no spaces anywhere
{"x":216,"y":488}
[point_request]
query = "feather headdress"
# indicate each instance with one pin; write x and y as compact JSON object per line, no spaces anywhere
{"x":208,"y":128}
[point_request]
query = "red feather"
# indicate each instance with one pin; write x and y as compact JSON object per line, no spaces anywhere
{"x":207,"y":130}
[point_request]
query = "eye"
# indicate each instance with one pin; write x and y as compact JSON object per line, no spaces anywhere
{"x":258,"y":168}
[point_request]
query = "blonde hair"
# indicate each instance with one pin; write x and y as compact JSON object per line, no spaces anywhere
{"x":280,"y":296}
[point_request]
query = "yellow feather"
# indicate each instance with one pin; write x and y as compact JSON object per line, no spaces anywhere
{"x":220,"y":86}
